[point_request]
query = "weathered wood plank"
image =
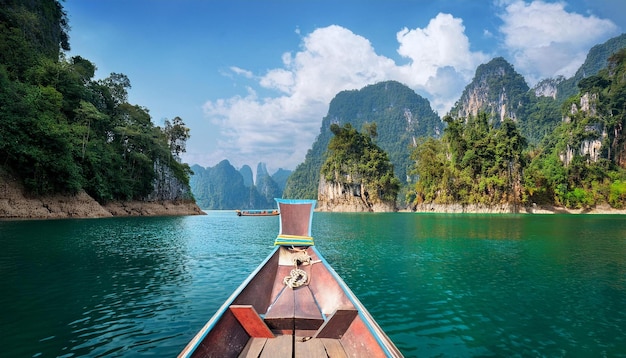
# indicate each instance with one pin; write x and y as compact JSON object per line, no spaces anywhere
{"x":311,"y":348}
{"x":359,"y":342}
{"x":326,"y":289}
{"x":280,"y":314}
{"x":253,"y":348}
{"x":334,"y":349}
{"x":227,"y":339}
{"x":281,"y":346}
{"x":306,"y":312}
{"x":251,"y":321}
{"x":337,"y":324}
{"x":278,"y":285}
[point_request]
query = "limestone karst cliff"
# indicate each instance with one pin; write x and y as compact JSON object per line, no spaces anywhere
{"x":496,"y":90}
{"x":349,"y":197}
{"x":401,"y":115}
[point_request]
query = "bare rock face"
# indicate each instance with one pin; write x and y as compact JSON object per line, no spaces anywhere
{"x":15,"y":204}
{"x":166,"y":186}
{"x":153,"y":208}
{"x":497,"y":89}
{"x":548,"y":87}
{"x":595,"y":132}
{"x":352,"y":197}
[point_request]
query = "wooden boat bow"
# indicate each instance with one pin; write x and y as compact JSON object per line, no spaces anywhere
{"x":293,"y":305}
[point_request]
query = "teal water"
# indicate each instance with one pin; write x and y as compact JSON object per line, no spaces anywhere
{"x":439,"y":285}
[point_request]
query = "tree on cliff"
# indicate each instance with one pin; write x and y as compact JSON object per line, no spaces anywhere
{"x":353,"y":157}
{"x":61,"y":131}
{"x":474,"y":163}
{"x":583,"y":161}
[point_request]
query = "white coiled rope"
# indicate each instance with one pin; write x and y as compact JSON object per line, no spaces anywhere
{"x":298,"y":277}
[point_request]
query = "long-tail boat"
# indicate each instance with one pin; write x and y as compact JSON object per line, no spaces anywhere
{"x":269,"y":212}
{"x":293,"y":305}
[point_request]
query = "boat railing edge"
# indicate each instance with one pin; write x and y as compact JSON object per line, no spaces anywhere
{"x":199,"y":337}
{"x":363,"y":312}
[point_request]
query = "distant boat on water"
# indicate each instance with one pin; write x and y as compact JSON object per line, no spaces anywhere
{"x":268,"y":212}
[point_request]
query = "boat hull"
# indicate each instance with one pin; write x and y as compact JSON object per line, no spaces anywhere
{"x":266,"y":317}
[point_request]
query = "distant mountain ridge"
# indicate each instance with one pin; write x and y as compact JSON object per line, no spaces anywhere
{"x":498,"y":90}
{"x":595,"y":61}
{"x":223,"y":187}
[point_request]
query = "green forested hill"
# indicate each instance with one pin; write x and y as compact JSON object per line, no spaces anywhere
{"x":596,"y":60}
{"x":61,"y":131}
{"x":500,"y":92}
{"x":401,"y":117}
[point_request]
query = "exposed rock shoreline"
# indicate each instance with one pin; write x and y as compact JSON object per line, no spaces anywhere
{"x":14,"y":204}
{"x":512,"y":209}
{"x":350,"y":198}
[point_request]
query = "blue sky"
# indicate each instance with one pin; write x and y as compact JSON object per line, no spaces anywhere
{"x":252,"y":79}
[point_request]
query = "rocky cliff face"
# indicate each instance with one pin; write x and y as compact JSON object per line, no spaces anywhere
{"x":595,"y":132}
{"x":167,"y":187}
{"x":496,"y":90}
{"x":15,"y":204}
{"x":351,"y":197}
{"x":548,"y":87}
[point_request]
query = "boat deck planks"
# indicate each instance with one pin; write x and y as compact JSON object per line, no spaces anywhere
{"x":311,"y":348}
{"x":253,"y":348}
{"x":282,"y":347}
{"x":334,"y":349}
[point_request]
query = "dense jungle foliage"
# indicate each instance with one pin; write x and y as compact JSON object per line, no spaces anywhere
{"x":476,"y":163}
{"x":61,"y":131}
{"x":473,"y":163}
{"x":354,"y":157}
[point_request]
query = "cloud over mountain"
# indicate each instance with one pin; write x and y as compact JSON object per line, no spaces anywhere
{"x":544,"y":40}
{"x":279,"y":126}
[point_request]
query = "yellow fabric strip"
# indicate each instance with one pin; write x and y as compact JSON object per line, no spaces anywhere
{"x":294,"y":240}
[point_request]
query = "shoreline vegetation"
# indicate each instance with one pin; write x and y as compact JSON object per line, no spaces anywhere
{"x":511,"y":209}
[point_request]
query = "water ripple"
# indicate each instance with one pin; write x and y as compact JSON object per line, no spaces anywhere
{"x":439,"y":285}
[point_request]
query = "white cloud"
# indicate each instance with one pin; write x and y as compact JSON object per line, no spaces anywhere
{"x":441,"y":60}
{"x":279,"y":130}
{"x":442,"y":43}
{"x":241,"y":72}
{"x":545,"y":40}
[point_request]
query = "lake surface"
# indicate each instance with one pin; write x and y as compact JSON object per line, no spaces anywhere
{"x":439,"y":285}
